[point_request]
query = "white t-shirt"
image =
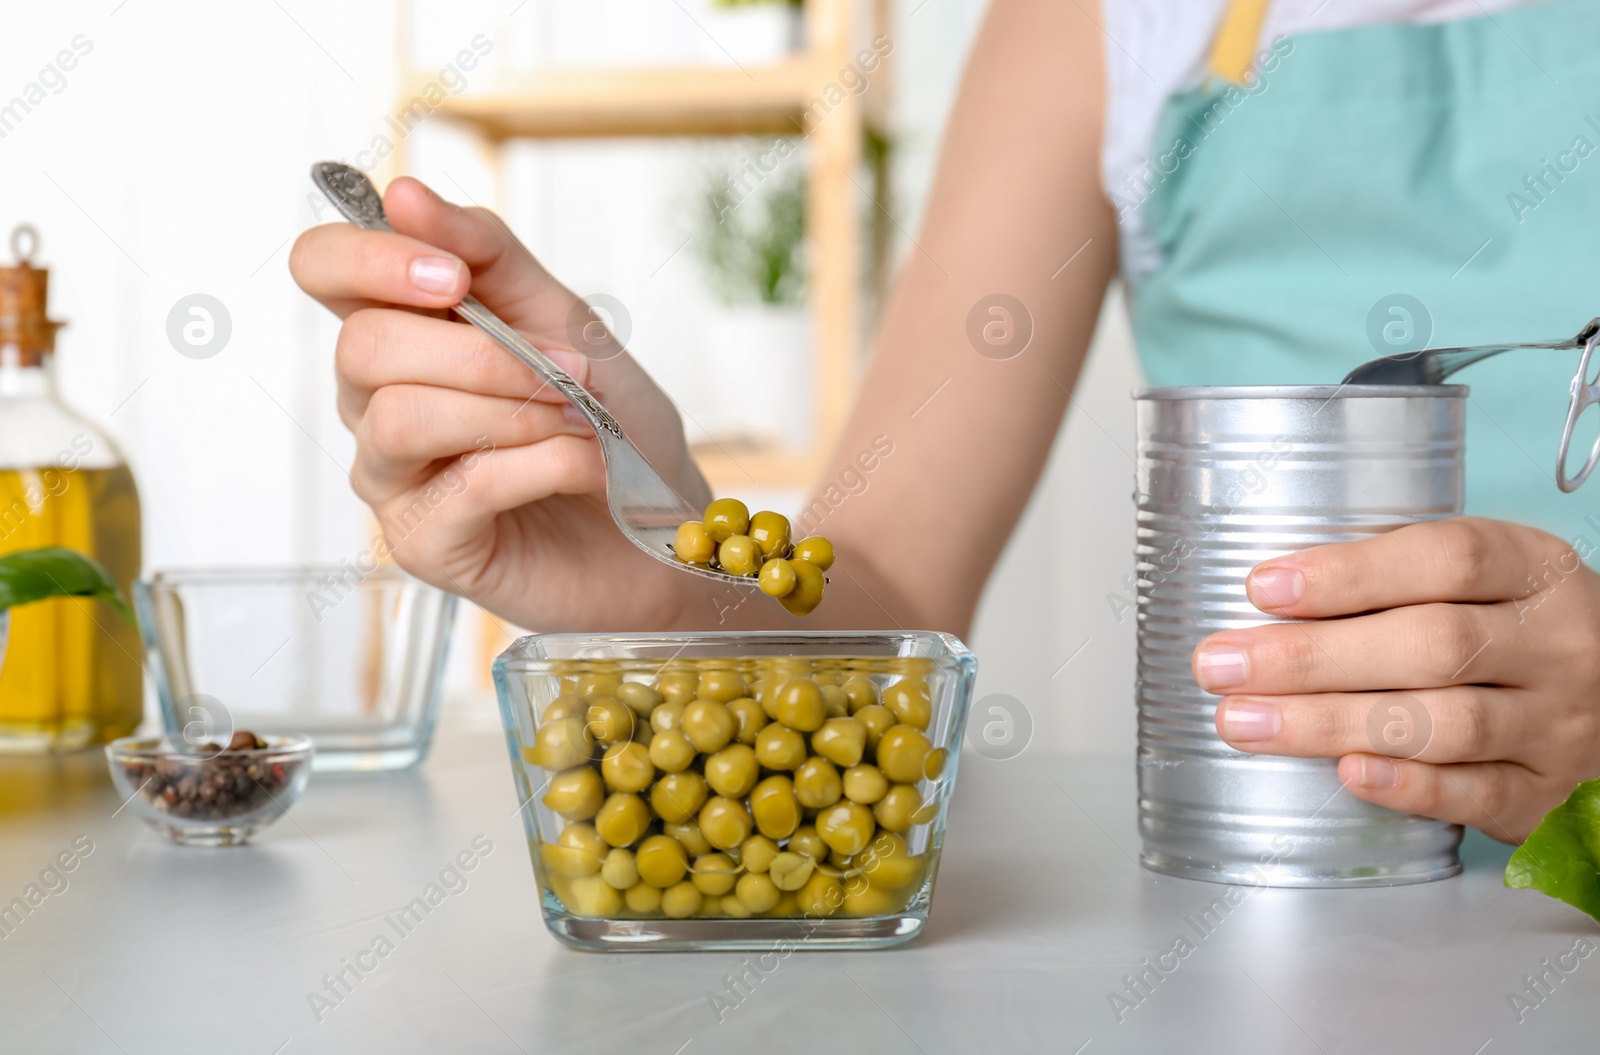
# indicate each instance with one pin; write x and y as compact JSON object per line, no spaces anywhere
{"x":1157,"y":48}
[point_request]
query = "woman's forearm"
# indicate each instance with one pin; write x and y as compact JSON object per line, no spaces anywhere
{"x":984,"y":333}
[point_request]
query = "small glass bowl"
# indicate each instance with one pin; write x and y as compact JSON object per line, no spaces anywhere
{"x":877,"y":896}
{"x":352,"y":656}
{"x":209,"y":798}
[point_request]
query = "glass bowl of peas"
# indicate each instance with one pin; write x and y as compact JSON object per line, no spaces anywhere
{"x":735,"y":791}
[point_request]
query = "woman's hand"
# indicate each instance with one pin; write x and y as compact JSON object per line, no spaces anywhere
{"x":485,"y":481}
{"x":1463,"y":682}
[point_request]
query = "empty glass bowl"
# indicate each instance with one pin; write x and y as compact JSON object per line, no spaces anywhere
{"x":352,"y":659}
{"x":210,"y":797}
{"x":735,"y":791}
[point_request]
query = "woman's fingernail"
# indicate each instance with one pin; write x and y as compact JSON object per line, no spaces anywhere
{"x":1247,"y":720}
{"x":1222,"y":667}
{"x":1278,"y":587}
{"x":435,"y":274}
{"x":576,"y":364}
{"x":1379,"y":772}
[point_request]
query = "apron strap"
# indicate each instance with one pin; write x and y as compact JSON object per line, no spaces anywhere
{"x":1233,"y":49}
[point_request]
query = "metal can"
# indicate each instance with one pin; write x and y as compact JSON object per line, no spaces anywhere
{"x":1227,"y":478}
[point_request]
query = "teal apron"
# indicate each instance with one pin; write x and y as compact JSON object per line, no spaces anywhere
{"x":1457,"y":164}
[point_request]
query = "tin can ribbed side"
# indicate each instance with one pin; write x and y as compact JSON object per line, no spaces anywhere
{"x":1225,"y":482}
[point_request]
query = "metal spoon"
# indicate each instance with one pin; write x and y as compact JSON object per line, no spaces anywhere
{"x":1430,"y":366}
{"x":646,"y":508}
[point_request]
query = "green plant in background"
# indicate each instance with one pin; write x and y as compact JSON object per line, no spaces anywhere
{"x":1561,"y":857}
{"x":751,"y":244}
{"x":38,"y":574}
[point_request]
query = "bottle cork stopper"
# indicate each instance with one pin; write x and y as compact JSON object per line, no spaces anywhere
{"x":27,"y":334}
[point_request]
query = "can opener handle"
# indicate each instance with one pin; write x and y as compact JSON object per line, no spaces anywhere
{"x":1585,"y":394}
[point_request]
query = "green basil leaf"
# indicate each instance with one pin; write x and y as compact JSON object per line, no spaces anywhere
{"x":1562,"y":855}
{"x":36,"y":574}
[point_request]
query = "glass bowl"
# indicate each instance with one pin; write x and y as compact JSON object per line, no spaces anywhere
{"x":673,"y":803}
{"x":212,"y":797}
{"x":353,"y":659}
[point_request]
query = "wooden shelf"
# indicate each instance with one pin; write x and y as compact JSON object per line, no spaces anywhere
{"x":665,"y":101}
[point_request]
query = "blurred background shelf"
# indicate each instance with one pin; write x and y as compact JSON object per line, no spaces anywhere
{"x":662,"y":101}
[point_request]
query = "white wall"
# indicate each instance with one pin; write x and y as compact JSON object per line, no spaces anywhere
{"x":173,"y":161}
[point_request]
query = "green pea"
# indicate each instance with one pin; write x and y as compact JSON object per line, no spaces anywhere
{"x":733,"y":771}
{"x":720,"y":685}
{"x":806,"y":841}
{"x":860,"y":692}
{"x":756,"y":853}
{"x":681,"y":901}
{"x":627,"y":767}
{"x":778,"y":578}
{"x":847,"y":827}
{"x":878,"y":719}
{"x":620,"y":869}
{"x":771,"y":532}
{"x":758,"y":893}
{"x":609,"y":720}
{"x":910,"y":702}
{"x":677,"y":797}
{"x":841,"y":740}
{"x":898,"y":808}
{"x":902,"y":752}
{"x":677,"y":686}
{"x":568,"y":705}
{"x":789,"y":871}
{"x":694,"y":544}
{"x":807,"y":593}
{"x":671,"y":751}
{"x":739,"y":555}
{"x":689,"y":836}
{"x":775,"y":808}
{"x":623,"y":819}
{"x":561,"y":744}
{"x":749,"y":719}
{"x":643,"y":898}
{"x":639,"y":697}
{"x":661,"y":861}
{"x":725,"y":517}
{"x":577,"y":794}
{"x":725,"y":822}
{"x":714,"y":874}
{"x":817,"y":783}
{"x":865,"y":784}
{"x":799,"y":705}
{"x":780,"y":747}
{"x":708,"y":725}
{"x":817,"y":550}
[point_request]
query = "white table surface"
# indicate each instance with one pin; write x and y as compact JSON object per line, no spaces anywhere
{"x":1039,"y":913}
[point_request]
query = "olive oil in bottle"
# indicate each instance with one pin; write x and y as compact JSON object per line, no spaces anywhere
{"x":70,"y":672}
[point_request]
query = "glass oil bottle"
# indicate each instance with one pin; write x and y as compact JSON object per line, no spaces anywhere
{"x":70,"y":674}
